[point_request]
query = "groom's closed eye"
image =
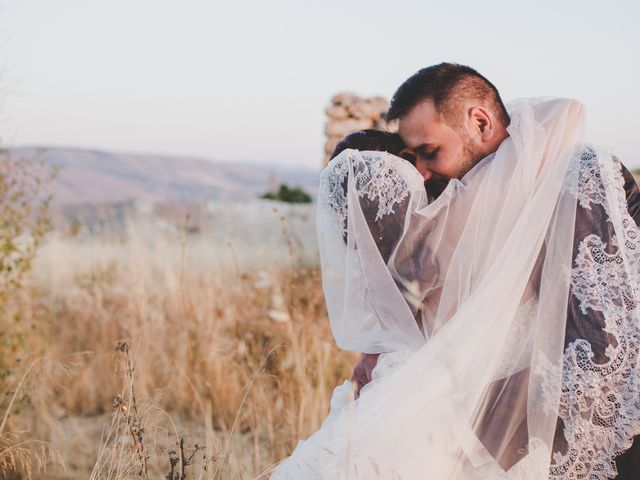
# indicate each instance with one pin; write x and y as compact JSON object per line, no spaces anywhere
{"x":427,"y":153}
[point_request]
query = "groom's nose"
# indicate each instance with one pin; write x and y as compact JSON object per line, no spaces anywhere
{"x":424,"y":170}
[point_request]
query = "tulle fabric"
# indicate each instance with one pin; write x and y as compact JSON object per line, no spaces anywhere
{"x":467,"y":298}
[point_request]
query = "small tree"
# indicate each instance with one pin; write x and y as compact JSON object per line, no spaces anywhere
{"x":289,"y":195}
{"x":24,"y":220}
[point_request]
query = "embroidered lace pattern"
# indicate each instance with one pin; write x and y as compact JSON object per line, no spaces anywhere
{"x":382,"y":178}
{"x":599,"y":400}
{"x":586,"y":181}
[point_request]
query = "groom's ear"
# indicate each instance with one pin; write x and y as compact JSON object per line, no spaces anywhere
{"x":481,"y":122}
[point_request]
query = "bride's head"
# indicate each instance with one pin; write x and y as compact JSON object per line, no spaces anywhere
{"x":387,"y":191}
{"x":382,"y":185}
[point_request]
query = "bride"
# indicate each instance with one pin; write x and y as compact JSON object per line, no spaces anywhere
{"x":482,"y":372}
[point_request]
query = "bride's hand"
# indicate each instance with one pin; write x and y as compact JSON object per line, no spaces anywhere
{"x":362,"y":371}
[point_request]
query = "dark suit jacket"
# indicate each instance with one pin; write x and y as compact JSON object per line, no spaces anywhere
{"x":629,"y":462}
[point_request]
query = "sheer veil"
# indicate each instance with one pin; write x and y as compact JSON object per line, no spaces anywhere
{"x":513,"y":298}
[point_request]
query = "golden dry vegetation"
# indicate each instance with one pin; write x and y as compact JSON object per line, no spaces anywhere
{"x":155,"y":359}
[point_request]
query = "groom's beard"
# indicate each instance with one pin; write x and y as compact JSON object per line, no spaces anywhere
{"x":471,"y":155}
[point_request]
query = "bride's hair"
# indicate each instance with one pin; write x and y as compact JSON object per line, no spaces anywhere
{"x":375,"y":140}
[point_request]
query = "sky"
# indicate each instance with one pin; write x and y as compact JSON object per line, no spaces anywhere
{"x":248,"y":81}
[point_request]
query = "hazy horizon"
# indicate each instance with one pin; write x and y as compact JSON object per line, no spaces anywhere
{"x":114,"y":151}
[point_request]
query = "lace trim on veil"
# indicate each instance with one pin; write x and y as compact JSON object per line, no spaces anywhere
{"x":379,"y":176}
{"x":600,"y":402}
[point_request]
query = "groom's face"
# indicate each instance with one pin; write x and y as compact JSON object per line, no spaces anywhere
{"x":442,"y":152}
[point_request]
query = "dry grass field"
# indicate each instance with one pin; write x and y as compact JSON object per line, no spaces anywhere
{"x":168,"y":355}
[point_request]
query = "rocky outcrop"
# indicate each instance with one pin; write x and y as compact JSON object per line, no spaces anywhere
{"x":349,"y":112}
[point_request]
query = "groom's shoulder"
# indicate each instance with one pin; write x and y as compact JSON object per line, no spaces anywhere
{"x":632,"y":192}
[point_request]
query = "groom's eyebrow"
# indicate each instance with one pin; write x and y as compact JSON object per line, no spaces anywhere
{"x":425,"y":147}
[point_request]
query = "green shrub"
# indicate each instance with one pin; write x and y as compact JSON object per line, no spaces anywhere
{"x":288,"y":195}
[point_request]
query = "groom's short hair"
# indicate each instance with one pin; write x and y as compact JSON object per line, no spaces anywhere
{"x":448,"y":85}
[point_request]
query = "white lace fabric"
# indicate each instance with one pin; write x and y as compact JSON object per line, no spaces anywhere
{"x":599,"y":392}
{"x":506,"y":312}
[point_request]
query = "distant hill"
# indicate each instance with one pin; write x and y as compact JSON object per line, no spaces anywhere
{"x":101,"y":177}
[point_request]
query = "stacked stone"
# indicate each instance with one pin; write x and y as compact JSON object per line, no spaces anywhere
{"x":349,"y":112}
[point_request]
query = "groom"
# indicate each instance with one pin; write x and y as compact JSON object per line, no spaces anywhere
{"x":451,"y":117}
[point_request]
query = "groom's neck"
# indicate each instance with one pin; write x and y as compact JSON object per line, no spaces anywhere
{"x":500,"y":136}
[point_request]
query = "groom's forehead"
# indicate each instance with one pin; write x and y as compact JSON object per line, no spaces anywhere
{"x":421,"y":125}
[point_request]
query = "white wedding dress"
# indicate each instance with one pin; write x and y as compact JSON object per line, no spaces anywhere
{"x":506,"y":312}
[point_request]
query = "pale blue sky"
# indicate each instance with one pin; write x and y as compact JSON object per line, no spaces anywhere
{"x":249,"y":80}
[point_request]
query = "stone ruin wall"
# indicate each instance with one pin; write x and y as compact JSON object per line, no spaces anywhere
{"x":349,"y":112}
